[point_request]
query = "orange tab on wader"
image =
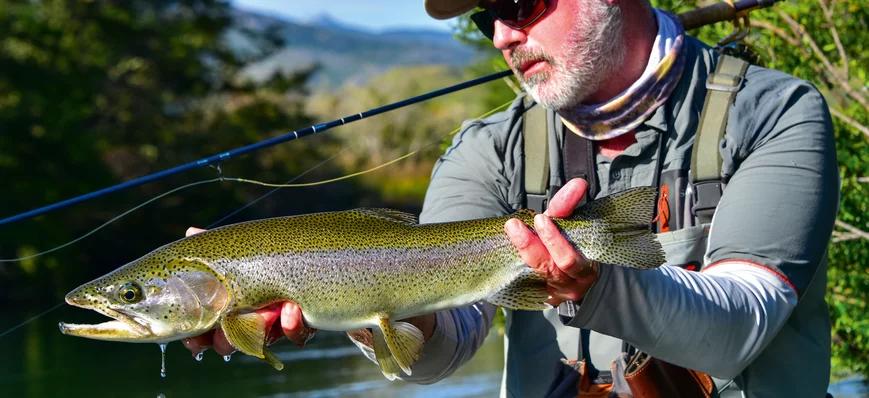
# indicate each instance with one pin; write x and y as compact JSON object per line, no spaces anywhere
{"x":587,"y":390}
{"x":663,"y":217}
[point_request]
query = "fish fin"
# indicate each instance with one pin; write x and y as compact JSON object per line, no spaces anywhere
{"x":390,"y":368}
{"x":526,"y":215}
{"x":405,"y":342}
{"x":626,"y":237}
{"x":272,"y":359}
{"x":526,"y":292}
{"x":390,"y":214}
{"x":247,"y":333}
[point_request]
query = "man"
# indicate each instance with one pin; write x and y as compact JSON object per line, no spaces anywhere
{"x":625,"y":77}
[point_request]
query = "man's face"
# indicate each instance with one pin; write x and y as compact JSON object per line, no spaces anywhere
{"x":567,"y":54}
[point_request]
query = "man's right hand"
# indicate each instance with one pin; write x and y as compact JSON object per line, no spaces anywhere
{"x":291,"y":325}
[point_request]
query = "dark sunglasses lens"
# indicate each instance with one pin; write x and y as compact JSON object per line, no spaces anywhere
{"x":485,"y":23}
{"x":518,"y":13}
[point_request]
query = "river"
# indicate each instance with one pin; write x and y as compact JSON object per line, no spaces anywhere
{"x":38,"y":361}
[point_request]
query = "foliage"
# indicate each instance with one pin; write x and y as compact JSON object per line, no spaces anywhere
{"x":421,"y":127}
{"x":820,"y":41}
{"x":98,"y":92}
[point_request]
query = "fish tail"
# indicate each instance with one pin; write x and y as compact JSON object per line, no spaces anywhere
{"x":616,"y":229}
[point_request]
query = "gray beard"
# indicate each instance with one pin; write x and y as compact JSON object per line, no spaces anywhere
{"x":593,"y":53}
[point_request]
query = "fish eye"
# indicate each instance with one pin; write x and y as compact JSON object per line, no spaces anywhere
{"x":130,"y":292}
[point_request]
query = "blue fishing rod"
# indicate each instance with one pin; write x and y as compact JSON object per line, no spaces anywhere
{"x":217,"y":159}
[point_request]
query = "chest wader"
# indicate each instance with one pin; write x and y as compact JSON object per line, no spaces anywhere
{"x":686,"y":204}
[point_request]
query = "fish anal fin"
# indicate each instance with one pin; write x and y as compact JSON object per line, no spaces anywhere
{"x":527,"y":292}
{"x":247,"y":333}
{"x":405,"y":342}
{"x":390,"y":368}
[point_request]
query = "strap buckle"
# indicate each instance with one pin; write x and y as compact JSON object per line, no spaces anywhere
{"x":537,"y":203}
{"x":708,"y":194}
{"x":731,"y":86}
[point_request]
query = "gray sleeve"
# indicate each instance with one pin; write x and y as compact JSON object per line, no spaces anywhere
{"x":473,"y":179}
{"x":782,"y":194}
{"x":715,"y":322}
{"x":767,"y":239}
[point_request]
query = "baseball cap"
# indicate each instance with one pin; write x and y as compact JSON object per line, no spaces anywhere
{"x":446,"y":9}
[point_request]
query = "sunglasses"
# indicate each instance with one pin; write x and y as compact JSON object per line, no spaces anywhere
{"x":517,"y":14}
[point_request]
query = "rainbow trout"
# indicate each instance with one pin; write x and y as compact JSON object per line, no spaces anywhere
{"x":363,"y":268}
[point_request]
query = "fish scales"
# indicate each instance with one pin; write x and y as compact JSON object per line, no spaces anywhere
{"x":363,"y":268}
{"x":403,"y":271}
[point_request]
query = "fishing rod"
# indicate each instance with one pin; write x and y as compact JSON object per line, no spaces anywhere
{"x":725,"y":11}
{"x":219,"y":158}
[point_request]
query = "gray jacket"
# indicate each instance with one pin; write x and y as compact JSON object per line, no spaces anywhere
{"x":758,"y":315}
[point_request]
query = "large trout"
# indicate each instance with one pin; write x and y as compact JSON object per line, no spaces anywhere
{"x":364,"y":268}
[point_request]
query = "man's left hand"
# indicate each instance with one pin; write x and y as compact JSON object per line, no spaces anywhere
{"x":568,"y":273}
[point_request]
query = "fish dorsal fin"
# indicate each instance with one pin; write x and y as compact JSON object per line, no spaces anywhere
{"x":525,"y":215}
{"x":390,"y":214}
{"x":247,"y":333}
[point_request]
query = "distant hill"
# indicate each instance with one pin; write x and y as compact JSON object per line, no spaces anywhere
{"x":345,"y":53}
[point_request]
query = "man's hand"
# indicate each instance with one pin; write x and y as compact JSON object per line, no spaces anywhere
{"x":568,"y":273}
{"x":291,"y":325}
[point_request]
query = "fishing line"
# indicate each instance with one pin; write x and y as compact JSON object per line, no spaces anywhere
{"x":103,"y":225}
{"x":222,"y":178}
{"x":251,"y":203}
{"x":30,"y":320}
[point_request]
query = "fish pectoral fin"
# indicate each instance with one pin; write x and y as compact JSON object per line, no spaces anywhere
{"x":527,"y":292}
{"x":247,"y":333}
{"x":390,"y":368}
{"x":405,"y":342}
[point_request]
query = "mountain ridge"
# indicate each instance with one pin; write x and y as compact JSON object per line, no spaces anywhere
{"x":343,"y":53}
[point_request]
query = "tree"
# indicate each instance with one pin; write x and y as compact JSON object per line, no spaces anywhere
{"x":97,"y":92}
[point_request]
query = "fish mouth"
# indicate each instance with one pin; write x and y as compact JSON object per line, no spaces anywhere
{"x":123,"y":327}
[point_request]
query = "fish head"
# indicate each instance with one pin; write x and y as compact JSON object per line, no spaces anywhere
{"x":157,"y":298}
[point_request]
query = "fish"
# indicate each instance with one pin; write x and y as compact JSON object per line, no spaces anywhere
{"x":348,"y":270}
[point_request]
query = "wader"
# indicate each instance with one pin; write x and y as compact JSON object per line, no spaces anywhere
{"x":684,"y":210}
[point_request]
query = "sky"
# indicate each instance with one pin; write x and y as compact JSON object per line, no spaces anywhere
{"x":374,"y":15}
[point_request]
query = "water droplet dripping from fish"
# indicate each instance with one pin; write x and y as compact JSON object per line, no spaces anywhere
{"x":199,"y":357}
{"x":226,"y":358}
{"x":163,"y":360}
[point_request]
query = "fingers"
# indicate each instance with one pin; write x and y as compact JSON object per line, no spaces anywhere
{"x":221,"y":344}
{"x":566,"y":199}
{"x":193,"y":231}
{"x":200,"y":343}
{"x":293,"y":324}
{"x":531,"y":248}
{"x":571,"y":263}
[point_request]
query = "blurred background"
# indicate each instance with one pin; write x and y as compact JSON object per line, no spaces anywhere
{"x":94,"y":93}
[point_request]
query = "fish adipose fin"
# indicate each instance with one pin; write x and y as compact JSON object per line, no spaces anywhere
{"x":247,"y":333}
{"x":403,"y":340}
{"x":526,"y":292}
{"x":616,"y":229}
{"x":387,"y":363}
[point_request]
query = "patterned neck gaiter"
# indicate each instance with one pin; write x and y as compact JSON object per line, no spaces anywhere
{"x":633,"y":106}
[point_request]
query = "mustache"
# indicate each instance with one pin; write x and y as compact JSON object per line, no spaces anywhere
{"x":521,"y":55}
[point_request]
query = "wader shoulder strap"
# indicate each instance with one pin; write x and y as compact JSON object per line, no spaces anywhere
{"x":536,"y":150}
{"x":579,"y":162}
{"x":577,"y":158}
{"x":721,"y":88}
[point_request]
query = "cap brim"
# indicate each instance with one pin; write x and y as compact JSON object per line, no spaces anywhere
{"x":446,"y":9}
